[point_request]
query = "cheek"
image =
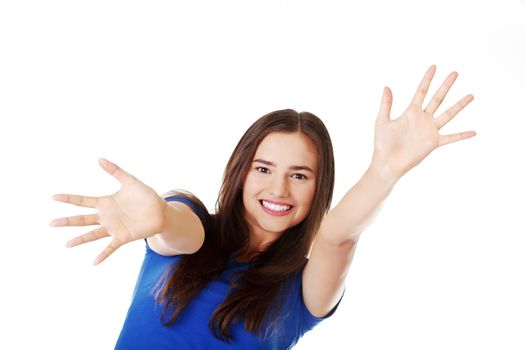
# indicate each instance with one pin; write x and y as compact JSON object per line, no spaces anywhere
{"x":248,"y":186}
{"x":249,"y":190}
{"x":307,"y":197}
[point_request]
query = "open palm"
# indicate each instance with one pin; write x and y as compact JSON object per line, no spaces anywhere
{"x":135,"y":212}
{"x":402,"y":143}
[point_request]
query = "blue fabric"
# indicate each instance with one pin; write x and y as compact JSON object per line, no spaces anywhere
{"x":143,"y":330}
{"x":188,"y":203}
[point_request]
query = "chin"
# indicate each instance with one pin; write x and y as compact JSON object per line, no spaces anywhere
{"x":274,"y":230}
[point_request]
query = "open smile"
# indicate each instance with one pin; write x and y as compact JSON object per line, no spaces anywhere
{"x":275,"y":209}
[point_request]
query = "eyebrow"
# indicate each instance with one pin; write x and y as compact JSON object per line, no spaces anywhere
{"x":293,"y":167}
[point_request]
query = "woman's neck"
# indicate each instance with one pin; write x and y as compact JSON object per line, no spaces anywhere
{"x":259,"y":242}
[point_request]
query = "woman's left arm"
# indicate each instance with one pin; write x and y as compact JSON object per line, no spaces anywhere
{"x":399,"y":145}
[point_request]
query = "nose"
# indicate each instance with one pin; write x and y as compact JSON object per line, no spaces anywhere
{"x":279,"y":186}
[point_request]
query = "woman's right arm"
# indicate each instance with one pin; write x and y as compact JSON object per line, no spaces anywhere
{"x":182,"y":231}
{"x":135,"y":212}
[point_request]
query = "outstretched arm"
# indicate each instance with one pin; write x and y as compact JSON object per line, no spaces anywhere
{"x":399,"y":145}
{"x":134,"y":212}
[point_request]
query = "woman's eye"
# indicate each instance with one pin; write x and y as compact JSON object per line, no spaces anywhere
{"x":262,"y":169}
{"x":300,"y":176}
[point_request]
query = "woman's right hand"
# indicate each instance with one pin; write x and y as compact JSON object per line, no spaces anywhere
{"x":135,"y":212}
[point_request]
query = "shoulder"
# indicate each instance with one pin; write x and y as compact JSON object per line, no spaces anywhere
{"x":189,"y":199}
{"x":185,"y":223}
{"x":295,"y":319}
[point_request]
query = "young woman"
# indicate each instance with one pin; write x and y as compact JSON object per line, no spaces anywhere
{"x":271,"y":262}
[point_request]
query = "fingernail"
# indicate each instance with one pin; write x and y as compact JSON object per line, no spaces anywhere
{"x":57,"y":222}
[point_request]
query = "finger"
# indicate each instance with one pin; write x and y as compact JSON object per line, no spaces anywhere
{"x":118,"y":173}
{"x":436,"y":100}
{"x":423,"y":86}
{"x":81,"y":201}
{"x":446,"y":139}
{"x":80,"y":220}
{"x":386,"y":105}
{"x":88,"y":237}
{"x":112,"y":246}
{"x":450,"y":113}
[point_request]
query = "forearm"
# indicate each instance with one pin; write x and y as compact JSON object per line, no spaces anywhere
{"x":182,"y":231}
{"x":360,"y":205}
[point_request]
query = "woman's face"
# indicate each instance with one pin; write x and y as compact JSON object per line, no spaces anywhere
{"x":279,"y":188}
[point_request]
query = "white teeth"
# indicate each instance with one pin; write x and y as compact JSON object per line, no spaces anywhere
{"x":275,"y":207}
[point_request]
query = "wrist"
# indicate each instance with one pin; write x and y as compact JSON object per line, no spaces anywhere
{"x":383,"y":174}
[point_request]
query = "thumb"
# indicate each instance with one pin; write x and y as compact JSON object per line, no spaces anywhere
{"x":386,"y":106}
{"x":113,"y":169}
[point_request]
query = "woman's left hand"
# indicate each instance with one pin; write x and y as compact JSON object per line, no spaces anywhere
{"x":402,"y":143}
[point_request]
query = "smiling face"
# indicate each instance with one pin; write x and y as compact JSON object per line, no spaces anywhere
{"x":280,"y":185}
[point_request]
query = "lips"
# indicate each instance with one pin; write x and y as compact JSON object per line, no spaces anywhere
{"x":275,"y":208}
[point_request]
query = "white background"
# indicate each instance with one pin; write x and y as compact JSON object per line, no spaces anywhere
{"x":166,"y":90}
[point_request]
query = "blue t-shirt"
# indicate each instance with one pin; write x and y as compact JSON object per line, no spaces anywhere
{"x":143,"y":328}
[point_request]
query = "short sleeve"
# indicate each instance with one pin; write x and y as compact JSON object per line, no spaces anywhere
{"x":189,"y":203}
{"x":310,"y":321}
{"x":186,"y":201}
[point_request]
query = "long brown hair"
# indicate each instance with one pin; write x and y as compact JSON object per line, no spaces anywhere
{"x":256,"y":293}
